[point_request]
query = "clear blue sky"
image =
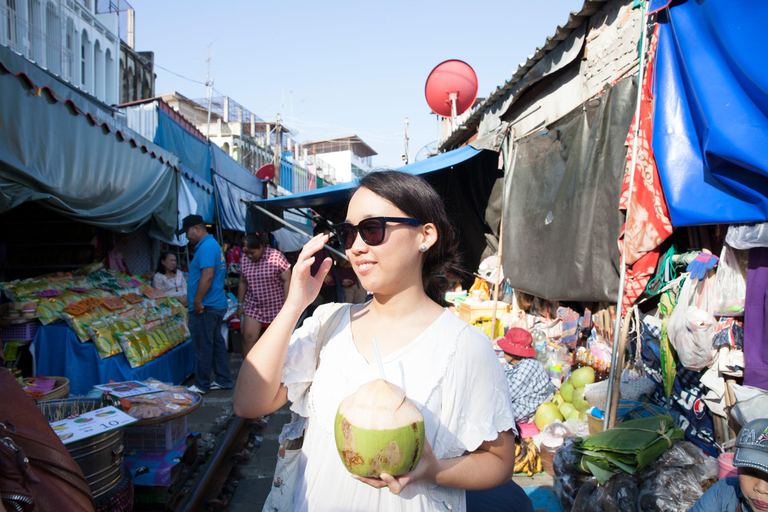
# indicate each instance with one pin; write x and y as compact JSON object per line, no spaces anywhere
{"x":338,"y":68}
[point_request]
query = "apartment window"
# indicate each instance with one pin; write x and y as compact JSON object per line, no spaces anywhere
{"x":11,"y":22}
{"x":82,"y":64}
{"x":35,"y":32}
{"x":53,"y":30}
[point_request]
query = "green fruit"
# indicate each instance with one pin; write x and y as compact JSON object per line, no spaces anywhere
{"x":574,"y":414}
{"x":582,"y":376}
{"x":583,"y":416}
{"x":566,"y":390}
{"x":546,"y":414}
{"x":379,"y":430}
{"x":558,"y":400}
{"x":566,"y":408}
{"x":579,"y":402}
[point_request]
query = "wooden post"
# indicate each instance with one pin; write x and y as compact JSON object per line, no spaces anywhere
{"x":616,"y":374}
{"x":498,"y":278}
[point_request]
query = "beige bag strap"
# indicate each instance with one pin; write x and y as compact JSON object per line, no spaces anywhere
{"x":328,"y":327}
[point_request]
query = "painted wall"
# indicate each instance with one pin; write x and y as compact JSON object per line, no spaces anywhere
{"x":68,"y":39}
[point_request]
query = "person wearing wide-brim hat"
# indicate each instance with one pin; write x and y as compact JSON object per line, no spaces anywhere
{"x":529,"y":384}
{"x":749,"y":491}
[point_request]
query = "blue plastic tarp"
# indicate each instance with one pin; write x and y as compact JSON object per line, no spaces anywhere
{"x":710,"y":125}
{"x":234,"y":185}
{"x":59,"y":352}
{"x":193,"y":152}
{"x":203,"y":198}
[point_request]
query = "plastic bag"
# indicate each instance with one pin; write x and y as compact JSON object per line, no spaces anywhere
{"x":747,"y":236}
{"x":751,"y":403}
{"x":691,"y":326}
{"x":730,"y":288}
{"x":618,"y":494}
{"x":568,"y":480}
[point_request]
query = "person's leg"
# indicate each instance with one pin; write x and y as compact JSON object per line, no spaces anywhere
{"x":251,"y":333}
{"x":220,"y":358}
{"x":203,"y":347}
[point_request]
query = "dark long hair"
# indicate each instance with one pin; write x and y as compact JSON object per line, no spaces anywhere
{"x":163,"y":255}
{"x":419,"y":200}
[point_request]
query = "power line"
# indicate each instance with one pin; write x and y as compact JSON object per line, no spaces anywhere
{"x":178,"y":75}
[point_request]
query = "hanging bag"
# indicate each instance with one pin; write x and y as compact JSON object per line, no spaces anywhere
{"x":730,"y":289}
{"x":280,"y":497}
{"x":691,"y":326}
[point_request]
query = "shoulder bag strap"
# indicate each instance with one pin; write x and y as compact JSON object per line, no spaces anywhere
{"x":328,"y":327}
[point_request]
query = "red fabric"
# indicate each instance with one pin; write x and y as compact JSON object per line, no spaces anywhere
{"x":265,"y":295}
{"x":234,"y":254}
{"x":648,"y":224}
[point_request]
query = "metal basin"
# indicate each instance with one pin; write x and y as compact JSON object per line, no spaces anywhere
{"x":100,"y":457}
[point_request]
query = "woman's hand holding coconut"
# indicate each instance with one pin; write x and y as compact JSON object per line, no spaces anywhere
{"x":424,"y":470}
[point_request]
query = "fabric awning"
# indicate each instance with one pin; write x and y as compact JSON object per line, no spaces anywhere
{"x":235,"y":186}
{"x":339,"y":193}
{"x":72,"y":162}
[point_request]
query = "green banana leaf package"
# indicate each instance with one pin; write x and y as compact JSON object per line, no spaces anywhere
{"x":627,"y":447}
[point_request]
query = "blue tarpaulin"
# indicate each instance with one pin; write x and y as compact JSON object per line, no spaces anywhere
{"x":234,"y":184}
{"x":195,"y":161}
{"x":58,"y":352}
{"x":710,"y":125}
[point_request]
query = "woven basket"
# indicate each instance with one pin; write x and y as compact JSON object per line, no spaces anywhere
{"x":59,"y":391}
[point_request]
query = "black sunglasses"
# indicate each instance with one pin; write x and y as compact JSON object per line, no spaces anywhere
{"x":371,"y":230}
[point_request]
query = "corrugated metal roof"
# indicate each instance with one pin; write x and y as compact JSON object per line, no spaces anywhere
{"x":575,"y":19}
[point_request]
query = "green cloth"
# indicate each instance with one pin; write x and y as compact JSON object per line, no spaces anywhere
{"x":628,"y":447}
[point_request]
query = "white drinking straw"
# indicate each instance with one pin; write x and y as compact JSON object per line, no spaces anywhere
{"x":378,"y":358}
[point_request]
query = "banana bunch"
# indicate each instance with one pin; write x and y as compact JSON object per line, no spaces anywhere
{"x":527,"y":458}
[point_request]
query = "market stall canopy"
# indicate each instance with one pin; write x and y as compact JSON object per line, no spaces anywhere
{"x":195,"y":161}
{"x":327,"y":196}
{"x":83,"y":167}
{"x":464,"y":177}
{"x":711,"y":120}
{"x":234,"y":187}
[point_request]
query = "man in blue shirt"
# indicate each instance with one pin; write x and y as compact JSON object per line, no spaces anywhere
{"x":207,"y":305}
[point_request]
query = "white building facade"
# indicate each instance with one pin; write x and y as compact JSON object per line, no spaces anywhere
{"x":69,"y":39}
{"x":341,"y":159}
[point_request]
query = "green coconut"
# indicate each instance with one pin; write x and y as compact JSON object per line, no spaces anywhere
{"x":379,"y":430}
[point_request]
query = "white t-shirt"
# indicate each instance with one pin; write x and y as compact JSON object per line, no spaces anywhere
{"x":450,"y":372}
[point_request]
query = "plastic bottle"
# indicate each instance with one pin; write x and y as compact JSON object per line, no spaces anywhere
{"x":540,"y":344}
{"x":555,"y":374}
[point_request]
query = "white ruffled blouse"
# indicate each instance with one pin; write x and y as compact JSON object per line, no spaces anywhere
{"x":450,"y":372}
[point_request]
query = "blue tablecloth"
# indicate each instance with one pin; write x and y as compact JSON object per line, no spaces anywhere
{"x":58,"y":352}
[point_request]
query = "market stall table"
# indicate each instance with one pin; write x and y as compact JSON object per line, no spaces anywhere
{"x":57,"y":351}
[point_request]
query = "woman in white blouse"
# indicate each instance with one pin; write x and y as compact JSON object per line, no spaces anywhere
{"x":170,"y":279}
{"x":400,"y":243}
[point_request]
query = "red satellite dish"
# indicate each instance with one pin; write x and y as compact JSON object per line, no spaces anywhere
{"x":451,"y":88}
{"x":266,"y":172}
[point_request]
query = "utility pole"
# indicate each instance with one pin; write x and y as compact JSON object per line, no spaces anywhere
{"x":405,"y":156}
{"x":209,"y":84}
{"x":278,"y":149}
